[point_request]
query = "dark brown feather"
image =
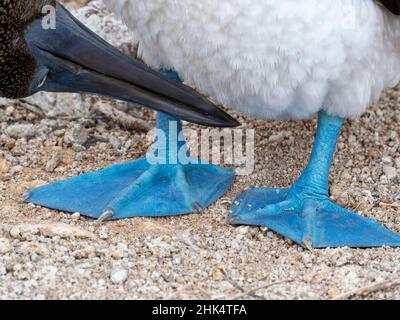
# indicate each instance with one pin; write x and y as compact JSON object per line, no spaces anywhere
{"x":392,"y":5}
{"x":17,"y":66}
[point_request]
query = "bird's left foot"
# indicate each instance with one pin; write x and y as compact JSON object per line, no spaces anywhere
{"x":309,"y":221}
{"x":137,"y":189}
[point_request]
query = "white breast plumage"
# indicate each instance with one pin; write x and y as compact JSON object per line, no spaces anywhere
{"x":272,"y":59}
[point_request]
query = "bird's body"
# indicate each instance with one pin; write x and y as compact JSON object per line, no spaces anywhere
{"x":272,"y":59}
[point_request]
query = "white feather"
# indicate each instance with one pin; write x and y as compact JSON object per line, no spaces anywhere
{"x":272,"y":59}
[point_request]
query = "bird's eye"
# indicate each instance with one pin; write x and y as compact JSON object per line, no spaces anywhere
{"x":42,"y":82}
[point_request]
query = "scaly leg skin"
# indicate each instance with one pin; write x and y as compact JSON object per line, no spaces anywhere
{"x":140,"y":188}
{"x":304,"y":213}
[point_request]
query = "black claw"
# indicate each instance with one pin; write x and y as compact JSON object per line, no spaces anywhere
{"x":106,"y":215}
{"x":26,"y":195}
{"x":198,"y":208}
{"x":233,"y":219}
{"x":307,"y":243}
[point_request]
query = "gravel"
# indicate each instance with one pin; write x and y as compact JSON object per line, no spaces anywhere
{"x":46,"y":254}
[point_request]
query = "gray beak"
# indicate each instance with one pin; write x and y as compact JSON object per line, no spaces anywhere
{"x":71,"y":58}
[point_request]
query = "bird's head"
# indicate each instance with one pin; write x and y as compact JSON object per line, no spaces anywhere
{"x":17,"y":65}
{"x":44,"y":48}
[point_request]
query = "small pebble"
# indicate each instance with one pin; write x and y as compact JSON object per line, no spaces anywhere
{"x":118,"y":254}
{"x":15,"y":232}
{"x":5,"y":246}
{"x":18,"y":131}
{"x":390,"y":172}
{"x":53,"y":163}
{"x":88,"y":252}
{"x":397,"y":163}
{"x":118,"y":275}
{"x":76,"y":216}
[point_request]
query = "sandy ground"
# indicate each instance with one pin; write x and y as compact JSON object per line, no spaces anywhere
{"x":45,"y":254}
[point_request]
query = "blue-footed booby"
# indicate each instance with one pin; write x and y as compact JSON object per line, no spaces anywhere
{"x":287,"y":59}
{"x":69,"y":57}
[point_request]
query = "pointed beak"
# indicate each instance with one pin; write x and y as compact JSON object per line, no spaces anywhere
{"x":71,"y":58}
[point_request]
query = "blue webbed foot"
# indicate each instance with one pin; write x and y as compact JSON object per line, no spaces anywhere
{"x":310,"y":222}
{"x":167,"y":183}
{"x":304,"y":213}
{"x":137,"y":189}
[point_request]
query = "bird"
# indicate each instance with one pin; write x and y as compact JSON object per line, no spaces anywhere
{"x":287,"y":59}
{"x":71,"y":58}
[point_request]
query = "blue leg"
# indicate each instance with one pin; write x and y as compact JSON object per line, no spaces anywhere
{"x":170,"y":182}
{"x":304,"y":213}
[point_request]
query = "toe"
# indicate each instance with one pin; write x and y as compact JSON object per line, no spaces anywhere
{"x":278,"y":208}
